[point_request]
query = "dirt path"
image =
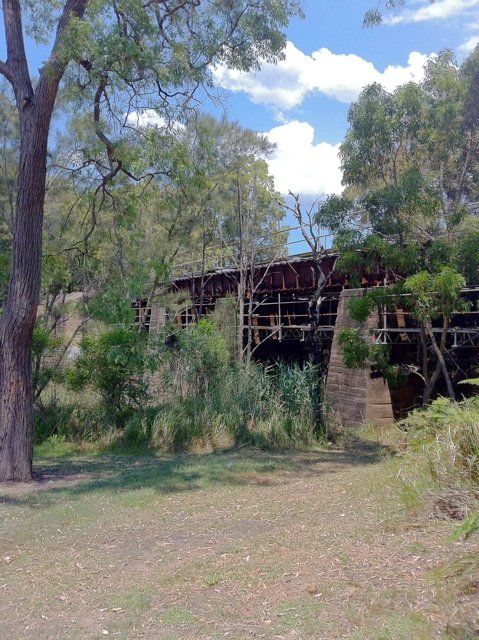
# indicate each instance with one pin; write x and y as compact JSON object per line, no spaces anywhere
{"x":234,"y":546}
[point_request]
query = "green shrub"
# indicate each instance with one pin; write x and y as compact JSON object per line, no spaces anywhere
{"x":44,"y":347}
{"x":137,"y":435}
{"x":210,"y":400}
{"x":466,"y":528}
{"x":114,"y":364}
{"x":438,"y":416}
{"x":178,"y":426}
{"x":211,"y":397}
{"x":441,"y":467}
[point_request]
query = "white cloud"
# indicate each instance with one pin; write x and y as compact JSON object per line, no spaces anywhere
{"x":339,"y":76}
{"x":300,"y":165}
{"x":470,"y":44}
{"x":439,"y":10}
{"x":145,"y":118}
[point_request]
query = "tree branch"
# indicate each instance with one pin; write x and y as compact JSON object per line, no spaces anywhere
{"x":52,"y":71}
{"x":15,"y":69}
{"x":298,"y":214}
{"x":6,"y":72}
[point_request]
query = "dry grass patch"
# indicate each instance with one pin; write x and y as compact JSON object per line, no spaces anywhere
{"x":238,"y":545}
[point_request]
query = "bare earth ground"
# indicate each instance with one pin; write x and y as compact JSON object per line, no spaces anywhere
{"x":237,"y":545}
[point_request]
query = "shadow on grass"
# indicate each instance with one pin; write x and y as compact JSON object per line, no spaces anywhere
{"x":57,"y":479}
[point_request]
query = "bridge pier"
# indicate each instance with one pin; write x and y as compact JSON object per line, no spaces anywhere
{"x":355,"y":396}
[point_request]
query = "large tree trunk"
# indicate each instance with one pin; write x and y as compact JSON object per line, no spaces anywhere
{"x":18,"y":319}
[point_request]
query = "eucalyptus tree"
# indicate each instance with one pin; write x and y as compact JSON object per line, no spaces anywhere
{"x":185,"y":214}
{"x":116,"y":55}
{"x":226,"y":200}
{"x":213,"y":157}
{"x":9,"y":148}
{"x":239,"y":208}
{"x":410,"y":164}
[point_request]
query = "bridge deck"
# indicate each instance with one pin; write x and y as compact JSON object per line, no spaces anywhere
{"x":280,"y":309}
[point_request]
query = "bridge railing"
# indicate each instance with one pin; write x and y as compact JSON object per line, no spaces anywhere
{"x":228,"y":255}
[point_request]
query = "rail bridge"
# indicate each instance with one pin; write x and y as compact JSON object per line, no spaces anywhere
{"x":277,"y":323}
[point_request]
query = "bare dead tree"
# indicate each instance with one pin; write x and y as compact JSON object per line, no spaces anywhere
{"x":311,"y":232}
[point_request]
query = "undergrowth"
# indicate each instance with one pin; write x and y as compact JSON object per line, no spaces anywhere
{"x":439,"y":470}
{"x":255,"y":405}
{"x":232,"y":405}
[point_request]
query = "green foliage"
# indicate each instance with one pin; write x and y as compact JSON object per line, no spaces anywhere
{"x":358,"y":354}
{"x":354,"y":348}
{"x":473,"y":381}
{"x":114,"y":364}
{"x":70,"y":420}
{"x":203,"y":356}
{"x":436,"y":295}
{"x":442,"y":463}
{"x":136,"y":437}
{"x":466,"y":529}
{"x":374,"y":299}
{"x":335,"y":213}
{"x":440,"y":252}
{"x":393,"y":208}
{"x":44,"y":349}
{"x":467,"y":256}
{"x":253,"y":406}
{"x":55,"y":274}
{"x":361,"y":308}
{"x":136,"y":51}
{"x":113,"y":307}
{"x":407,"y":162}
{"x":440,"y":414}
{"x":211,"y":397}
{"x":410,"y":171}
{"x":53,"y":446}
{"x":185,"y":213}
{"x":110,"y":57}
{"x":373,"y":17}
{"x":431,"y":296}
{"x":372,"y":254}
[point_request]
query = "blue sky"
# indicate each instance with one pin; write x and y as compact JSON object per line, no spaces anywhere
{"x":302,"y":103}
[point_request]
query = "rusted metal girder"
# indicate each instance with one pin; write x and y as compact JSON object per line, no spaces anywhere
{"x":287,"y":275}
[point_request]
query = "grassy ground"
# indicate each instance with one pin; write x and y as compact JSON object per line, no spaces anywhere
{"x":237,"y":545}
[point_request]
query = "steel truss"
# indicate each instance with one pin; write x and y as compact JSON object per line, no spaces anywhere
{"x":468,"y":337}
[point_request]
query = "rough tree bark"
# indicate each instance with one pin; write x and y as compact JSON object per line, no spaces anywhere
{"x":16,"y":419}
{"x":35,"y":108}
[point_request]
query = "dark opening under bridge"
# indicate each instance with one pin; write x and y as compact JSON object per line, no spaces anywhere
{"x":277,"y":323}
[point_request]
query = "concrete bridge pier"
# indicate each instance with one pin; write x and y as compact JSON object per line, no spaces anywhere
{"x":355,"y":396}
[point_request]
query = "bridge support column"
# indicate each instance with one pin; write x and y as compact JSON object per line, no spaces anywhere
{"x":355,"y":396}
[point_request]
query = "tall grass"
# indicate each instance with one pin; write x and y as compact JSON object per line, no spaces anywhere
{"x":440,"y":470}
{"x":71,"y":416}
{"x":257,"y":405}
{"x":207,"y":400}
